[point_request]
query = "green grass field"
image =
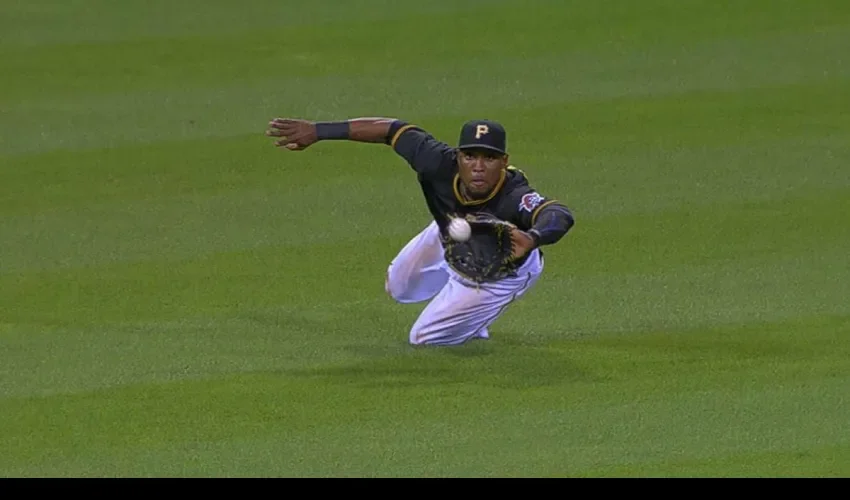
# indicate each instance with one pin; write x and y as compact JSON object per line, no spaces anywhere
{"x":180,"y":298}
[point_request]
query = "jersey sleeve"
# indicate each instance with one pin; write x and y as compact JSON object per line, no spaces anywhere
{"x":528,"y":204}
{"x":546,"y":218}
{"x":425,"y":154}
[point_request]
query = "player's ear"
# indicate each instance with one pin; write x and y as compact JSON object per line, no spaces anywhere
{"x":506,"y":159}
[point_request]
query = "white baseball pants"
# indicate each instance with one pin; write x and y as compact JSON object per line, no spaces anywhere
{"x":460,"y":309}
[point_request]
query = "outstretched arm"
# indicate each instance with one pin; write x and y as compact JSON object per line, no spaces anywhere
{"x":296,"y":134}
{"x":419,"y":149}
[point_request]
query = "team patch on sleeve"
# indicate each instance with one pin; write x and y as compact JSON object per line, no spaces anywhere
{"x":530,"y":201}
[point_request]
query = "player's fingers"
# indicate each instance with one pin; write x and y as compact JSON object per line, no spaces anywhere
{"x":292,"y":143}
{"x":284,"y":129}
{"x":280,"y":122}
{"x":281,"y":131}
{"x":289,"y":136}
{"x":296,"y":146}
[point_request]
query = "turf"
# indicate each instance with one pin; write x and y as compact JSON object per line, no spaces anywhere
{"x":179,"y":298}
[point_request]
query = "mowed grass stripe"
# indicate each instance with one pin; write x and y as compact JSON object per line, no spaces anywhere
{"x":230,"y":106}
{"x":168,"y":60}
{"x":678,"y":399}
{"x":809,"y":462}
{"x":35,"y":24}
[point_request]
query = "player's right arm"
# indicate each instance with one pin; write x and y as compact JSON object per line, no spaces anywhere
{"x":296,"y":135}
{"x":424,"y":153}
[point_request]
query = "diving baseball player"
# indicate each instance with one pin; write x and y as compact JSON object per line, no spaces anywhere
{"x":470,"y":180}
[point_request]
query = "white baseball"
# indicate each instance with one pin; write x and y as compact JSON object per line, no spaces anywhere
{"x":459,"y":229}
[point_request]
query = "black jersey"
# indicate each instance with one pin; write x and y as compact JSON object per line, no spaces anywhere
{"x":513,"y":199}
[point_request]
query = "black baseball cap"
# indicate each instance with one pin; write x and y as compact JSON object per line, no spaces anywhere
{"x":483,"y":134}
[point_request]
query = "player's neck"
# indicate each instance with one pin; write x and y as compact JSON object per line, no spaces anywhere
{"x":472,"y":197}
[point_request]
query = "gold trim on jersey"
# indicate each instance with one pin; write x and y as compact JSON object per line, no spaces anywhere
{"x":511,"y":167}
{"x":465,"y":202}
{"x":398,"y":134}
{"x":538,"y":209}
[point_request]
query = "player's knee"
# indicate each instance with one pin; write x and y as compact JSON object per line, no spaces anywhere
{"x":418,"y":336}
{"x":419,"y":340}
{"x":438,"y":342}
{"x":399,"y":288}
{"x":397,"y":291}
{"x":436,"y":337}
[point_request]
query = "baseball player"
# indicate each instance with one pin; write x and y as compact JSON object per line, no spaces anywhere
{"x":471,"y":180}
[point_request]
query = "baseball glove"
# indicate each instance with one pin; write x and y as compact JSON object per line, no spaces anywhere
{"x":487,"y":254}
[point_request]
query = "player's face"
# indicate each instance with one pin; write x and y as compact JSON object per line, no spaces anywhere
{"x":480,"y":170}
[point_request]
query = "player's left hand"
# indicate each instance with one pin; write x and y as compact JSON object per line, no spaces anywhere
{"x":293,"y":134}
{"x":521,"y":243}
